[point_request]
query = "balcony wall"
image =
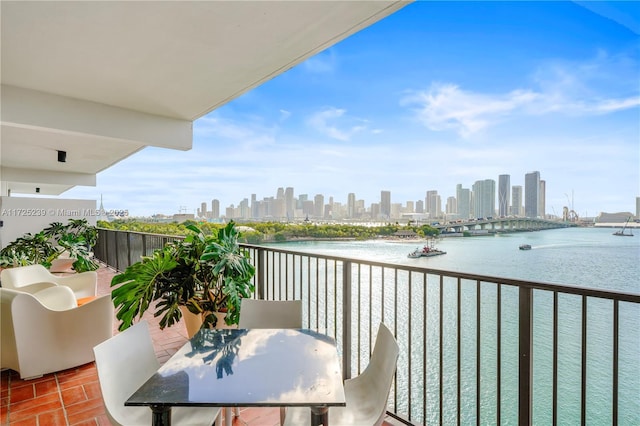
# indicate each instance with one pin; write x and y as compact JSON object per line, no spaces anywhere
{"x":474,"y":349}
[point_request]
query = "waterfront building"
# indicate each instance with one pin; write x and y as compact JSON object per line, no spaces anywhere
{"x":463,"y":197}
{"x":542,"y":208}
{"x":308,"y":208}
{"x":301,"y":200}
{"x":484,"y":198}
{"x":531,"y":194}
{"x":637,"y":207}
{"x":215,"y":208}
{"x":431,"y":203}
{"x":516,"y":200}
{"x":289,"y":202}
{"x":410,"y":207}
{"x":385,"y":204}
{"x":452,"y":207}
{"x":318,"y":202}
{"x":504,"y":184}
{"x":351,"y":205}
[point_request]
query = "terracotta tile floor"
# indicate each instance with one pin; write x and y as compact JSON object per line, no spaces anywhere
{"x":72,"y":397}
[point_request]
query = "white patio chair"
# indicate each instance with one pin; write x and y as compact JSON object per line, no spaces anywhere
{"x":124,"y":363}
{"x":46,"y":331}
{"x":268,"y":314}
{"x":366,"y":394}
{"x":33,"y":277}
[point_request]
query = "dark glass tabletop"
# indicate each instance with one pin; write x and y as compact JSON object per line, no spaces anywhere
{"x":255,"y":367}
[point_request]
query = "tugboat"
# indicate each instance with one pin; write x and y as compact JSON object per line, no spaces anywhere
{"x":525,"y":247}
{"x":426,"y":251}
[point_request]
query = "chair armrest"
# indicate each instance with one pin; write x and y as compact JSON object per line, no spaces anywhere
{"x":58,"y":298}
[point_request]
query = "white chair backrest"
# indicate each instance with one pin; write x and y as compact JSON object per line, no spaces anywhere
{"x":270,"y":314}
{"x":124,"y":363}
{"x":379,"y":373}
{"x":21,"y":276}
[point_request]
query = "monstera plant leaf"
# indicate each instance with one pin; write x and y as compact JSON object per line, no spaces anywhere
{"x":137,"y":287}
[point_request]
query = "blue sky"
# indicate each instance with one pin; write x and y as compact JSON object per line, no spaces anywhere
{"x":437,"y":94}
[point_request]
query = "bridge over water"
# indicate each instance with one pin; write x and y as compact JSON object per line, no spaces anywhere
{"x":499,"y":225}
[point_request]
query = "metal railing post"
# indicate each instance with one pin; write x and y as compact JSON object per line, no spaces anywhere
{"x":525,"y":362}
{"x":346,"y":319}
{"x":261,"y":279}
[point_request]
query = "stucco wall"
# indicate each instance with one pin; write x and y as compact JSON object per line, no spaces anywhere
{"x":20,"y":215}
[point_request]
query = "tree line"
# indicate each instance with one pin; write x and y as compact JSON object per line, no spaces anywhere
{"x":262,"y":232}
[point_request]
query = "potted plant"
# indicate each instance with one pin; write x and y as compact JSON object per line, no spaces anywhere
{"x":76,"y":239}
{"x":203,"y":274}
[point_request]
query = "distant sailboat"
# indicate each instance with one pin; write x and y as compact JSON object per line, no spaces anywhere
{"x":621,"y":233}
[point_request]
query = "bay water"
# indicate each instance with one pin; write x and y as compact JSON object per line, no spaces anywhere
{"x":585,"y":257}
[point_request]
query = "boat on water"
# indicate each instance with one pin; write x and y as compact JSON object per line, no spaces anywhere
{"x":622,"y":232}
{"x":525,"y":247}
{"x":426,"y":251}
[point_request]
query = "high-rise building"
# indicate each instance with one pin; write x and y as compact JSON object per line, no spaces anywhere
{"x":215,"y":209}
{"x":318,"y":202}
{"x":301,"y":200}
{"x":433,"y":204}
{"x":203,"y":209}
{"x":504,"y":192}
{"x":637,"y":207}
{"x":484,"y":198}
{"x":255,"y":207}
{"x":542,"y":199}
{"x":308,"y":208}
{"x":419,"y":206}
{"x":278,"y":208}
{"x":351,"y":205}
{"x":375,"y":211}
{"x":244,"y":212}
{"x":230,"y":212}
{"x":516,"y":200}
{"x":463,"y":197}
{"x":531,"y":194}
{"x":452,"y":207}
{"x":410,"y":207}
{"x":385,"y":204}
{"x":289,"y":203}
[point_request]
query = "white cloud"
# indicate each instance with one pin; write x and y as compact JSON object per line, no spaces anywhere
{"x":323,"y":62}
{"x":446,"y":106}
{"x":564,"y":88}
{"x":284,"y":114}
{"x":333,"y":122}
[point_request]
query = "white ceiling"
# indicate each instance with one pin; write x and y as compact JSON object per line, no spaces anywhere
{"x":103,"y":79}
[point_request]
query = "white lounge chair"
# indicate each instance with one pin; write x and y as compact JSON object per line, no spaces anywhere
{"x":46,"y":331}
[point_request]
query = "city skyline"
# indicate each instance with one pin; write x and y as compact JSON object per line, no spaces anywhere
{"x":483,"y":199}
{"x":423,"y":100}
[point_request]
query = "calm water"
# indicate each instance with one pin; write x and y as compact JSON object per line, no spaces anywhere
{"x":585,"y":257}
